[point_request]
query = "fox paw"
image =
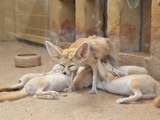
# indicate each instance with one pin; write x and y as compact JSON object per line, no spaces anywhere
{"x":50,"y":97}
{"x":93,"y":92}
{"x":54,"y":94}
{"x":67,"y":90}
{"x":120,"y":101}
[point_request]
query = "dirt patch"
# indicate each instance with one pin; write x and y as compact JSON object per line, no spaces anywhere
{"x":77,"y":105}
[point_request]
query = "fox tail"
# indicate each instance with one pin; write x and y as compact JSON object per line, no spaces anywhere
{"x":157,"y":99}
{"x":9,"y":96}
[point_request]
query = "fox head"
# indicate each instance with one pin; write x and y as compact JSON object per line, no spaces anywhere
{"x":70,"y":59}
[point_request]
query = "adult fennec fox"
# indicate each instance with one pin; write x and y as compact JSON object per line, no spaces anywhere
{"x":83,"y":52}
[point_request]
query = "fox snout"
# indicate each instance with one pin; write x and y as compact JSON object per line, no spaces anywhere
{"x":64,"y":73}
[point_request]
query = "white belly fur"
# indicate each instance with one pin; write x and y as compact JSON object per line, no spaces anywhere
{"x":122,"y":85}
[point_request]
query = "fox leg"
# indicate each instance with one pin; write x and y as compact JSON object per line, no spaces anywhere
{"x":103,"y":73}
{"x":70,"y":88}
{"x":95,"y":79}
{"x":45,"y":94}
{"x":23,"y":80}
{"x":78,"y":82}
{"x":148,"y":96}
{"x":9,"y":88}
{"x":47,"y":97}
{"x":40,"y":93}
{"x":12,"y":87}
{"x":137,"y":95}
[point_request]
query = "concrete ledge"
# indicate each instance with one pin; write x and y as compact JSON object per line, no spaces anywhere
{"x":138,"y":58}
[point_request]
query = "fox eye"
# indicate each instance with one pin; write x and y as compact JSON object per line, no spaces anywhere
{"x":62,"y":65}
{"x":70,"y":66}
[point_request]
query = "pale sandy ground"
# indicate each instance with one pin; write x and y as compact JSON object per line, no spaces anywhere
{"x":77,"y":105}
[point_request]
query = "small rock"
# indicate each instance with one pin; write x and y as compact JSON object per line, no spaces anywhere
{"x":64,"y":95}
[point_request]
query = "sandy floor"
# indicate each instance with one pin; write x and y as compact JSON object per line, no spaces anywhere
{"x":77,"y":105}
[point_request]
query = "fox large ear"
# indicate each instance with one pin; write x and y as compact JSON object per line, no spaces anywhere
{"x":54,"y":51}
{"x":82,"y":51}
